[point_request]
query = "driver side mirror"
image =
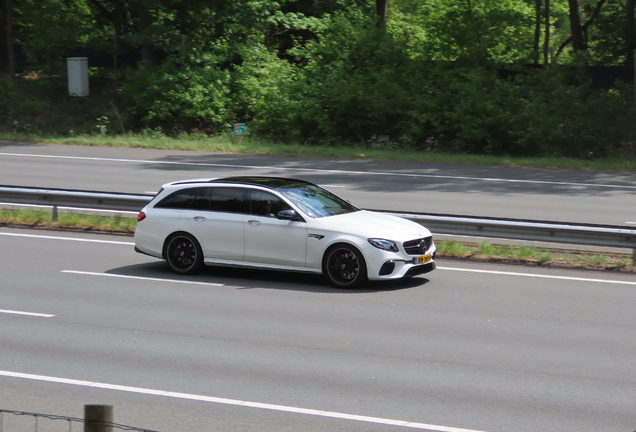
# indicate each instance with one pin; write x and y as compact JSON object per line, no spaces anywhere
{"x":290,"y":215}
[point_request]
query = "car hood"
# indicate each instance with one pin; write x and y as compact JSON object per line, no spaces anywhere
{"x":373,"y":224}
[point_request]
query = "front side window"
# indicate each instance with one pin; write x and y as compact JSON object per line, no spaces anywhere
{"x":266,"y":204}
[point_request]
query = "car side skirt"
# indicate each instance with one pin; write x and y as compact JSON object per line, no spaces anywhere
{"x":229,"y":263}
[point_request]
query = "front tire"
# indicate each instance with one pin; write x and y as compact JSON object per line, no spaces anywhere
{"x":344,"y":266}
{"x":183,"y":254}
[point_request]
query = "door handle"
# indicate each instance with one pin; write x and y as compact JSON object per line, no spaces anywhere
{"x":199,"y":218}
{"x":254,"y":222}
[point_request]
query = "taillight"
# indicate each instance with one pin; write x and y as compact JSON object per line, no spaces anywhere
{"x":141,"y":216}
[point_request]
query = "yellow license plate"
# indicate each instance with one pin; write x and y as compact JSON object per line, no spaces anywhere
{"x":423,"y":259}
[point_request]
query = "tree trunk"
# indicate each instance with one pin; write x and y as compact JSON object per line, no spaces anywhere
{"x":546,"y":43}
{"x":10,"y":46}
{"x":118,"y":25}
{"x":147,"y":48}
{"x":595,"y":13}
{"x":383,"y":10}
{"x":537,"y":30}
{"x":578,"y":44}
{"x":630,"y":6}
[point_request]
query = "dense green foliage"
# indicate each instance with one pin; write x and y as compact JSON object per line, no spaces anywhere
{"x":471,"y":76}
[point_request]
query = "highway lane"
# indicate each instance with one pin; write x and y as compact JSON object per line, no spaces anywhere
{"x":480,"y":347}
{"x":501,"y":192}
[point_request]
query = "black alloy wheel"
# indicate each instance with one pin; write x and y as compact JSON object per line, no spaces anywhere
{"x":344,"y":266}
{"x":183,"y":254}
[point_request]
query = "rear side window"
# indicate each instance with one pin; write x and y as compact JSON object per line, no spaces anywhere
{"x":191,"y":198}
{"x":225,"y":199}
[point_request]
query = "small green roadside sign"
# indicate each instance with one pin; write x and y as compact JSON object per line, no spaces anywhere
{"x":239,"y":129}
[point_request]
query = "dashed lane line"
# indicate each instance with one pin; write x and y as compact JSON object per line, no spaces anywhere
{"x":113,"y":275}
{"x":34,"y":314}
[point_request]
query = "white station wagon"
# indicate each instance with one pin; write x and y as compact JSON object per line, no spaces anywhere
{"x":281,"y":224}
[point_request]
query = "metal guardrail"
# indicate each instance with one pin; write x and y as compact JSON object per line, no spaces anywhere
{"x":592,"y":235}
{"x":73,"y":198}
{"x":550,"y":232}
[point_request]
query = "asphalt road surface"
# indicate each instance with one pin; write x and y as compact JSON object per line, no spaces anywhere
{"x":86,"y":320}
{"x":484,"y":191}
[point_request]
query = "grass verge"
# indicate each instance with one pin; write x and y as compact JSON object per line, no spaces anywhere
{"x":67,"y":221}
{"x":534,"y":256}
{"x":482,"y":251}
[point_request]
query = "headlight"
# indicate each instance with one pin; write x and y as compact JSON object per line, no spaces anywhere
{"x":387,"y":245}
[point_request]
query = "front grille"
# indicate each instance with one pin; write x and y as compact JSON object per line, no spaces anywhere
{"x":418,"y":246}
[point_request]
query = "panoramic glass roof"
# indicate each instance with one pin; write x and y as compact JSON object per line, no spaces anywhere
{"x":271,"y":182}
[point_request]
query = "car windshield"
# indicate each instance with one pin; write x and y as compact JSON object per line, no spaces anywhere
{"x":315,"y":201}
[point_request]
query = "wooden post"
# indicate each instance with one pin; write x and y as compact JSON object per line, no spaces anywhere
{"x":98,"y":418}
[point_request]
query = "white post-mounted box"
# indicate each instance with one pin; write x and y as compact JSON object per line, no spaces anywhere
{"x":77,"y":68}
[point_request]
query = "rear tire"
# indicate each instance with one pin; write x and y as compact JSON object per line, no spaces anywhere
{"x":183,"y":254}
{"x":344,"y":266}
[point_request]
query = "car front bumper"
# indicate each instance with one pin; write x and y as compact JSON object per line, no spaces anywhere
{"x":398,"y":267}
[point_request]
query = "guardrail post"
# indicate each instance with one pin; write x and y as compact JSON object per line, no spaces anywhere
{"x":98,"y":418}
{"x":54,"y":213}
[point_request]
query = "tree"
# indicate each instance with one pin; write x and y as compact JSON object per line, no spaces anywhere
{"x":578,"y":33}
{"x":575,"y":26}
{"x":630,"y":6}
{"x":113,"y":17}
{"x":11,"y":66}
{"x":546,"y":45}
{"x":383,"y":9}
{"x":147,"y":47}
{"x":537,"y":29}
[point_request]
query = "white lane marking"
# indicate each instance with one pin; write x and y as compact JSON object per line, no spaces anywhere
{"x":568,"y":278}
{"x":35,"y":314}
{"x":377,"y":173}
{"x":236,"y":402}
{"x":38,"y":236}
{"x":439,"y":268}
{"x":141,"y":278}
